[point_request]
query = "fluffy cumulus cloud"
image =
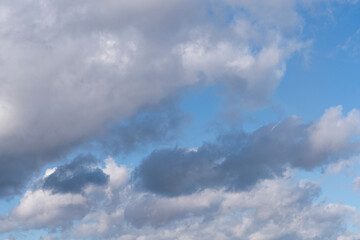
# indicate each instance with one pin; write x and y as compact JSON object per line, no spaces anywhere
{"x":70,"y":68}
{"x":41,"y":208}
{"x":273,"y":209}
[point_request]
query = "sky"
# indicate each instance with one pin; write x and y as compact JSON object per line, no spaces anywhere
{"x":182,"y":119}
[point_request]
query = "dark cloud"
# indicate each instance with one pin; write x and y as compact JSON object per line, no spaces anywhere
{"x":178,"y":171}
{"x":11,"y":169}
{"x":73,"y":177}
{"x":17,"y":169}
{"x":236,"y":161}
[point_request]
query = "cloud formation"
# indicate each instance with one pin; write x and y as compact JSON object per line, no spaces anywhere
{"x":42,"y":209}
{"x":69,"y":69}
{"x":279,"y":208}
{"x":237,"y":161}
{"x":75,"y":176}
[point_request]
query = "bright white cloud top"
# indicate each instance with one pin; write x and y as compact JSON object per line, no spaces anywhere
{"x":82,"y":80}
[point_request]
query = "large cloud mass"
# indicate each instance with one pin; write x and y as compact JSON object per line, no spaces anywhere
{"x":69,"y":68}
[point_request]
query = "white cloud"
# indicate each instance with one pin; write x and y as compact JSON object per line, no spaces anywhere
{"x":273,"y":209}
{"x":333,"y":131}
{"x":49,"y":171}
{"x":345,"y":164}
{"x":119,"y":175}
{"x":41,"y":208}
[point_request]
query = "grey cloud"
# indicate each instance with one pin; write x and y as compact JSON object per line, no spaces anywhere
{"x":178,"y":171}
{"x":69,"y":69}
{"x":156,"y":211}
{"x":273,"y":209}
{"x":237,"y":161}
{"x":10,"y":183}
{"x":75,"y":176}
{"x":234,"y":161}
{"x":17,"y":168}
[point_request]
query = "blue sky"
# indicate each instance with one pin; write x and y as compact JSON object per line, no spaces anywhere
{"x":180,"y":120}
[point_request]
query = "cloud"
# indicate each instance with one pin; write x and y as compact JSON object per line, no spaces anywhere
{"x":237,"y":161}
{"x":68,"y":194}
{"x":339,"y":166}
{"x":155,"y":211}
{"x":356,"y":183}
{"x":273,"y":209}
{"x":70,"y":69}
{"x":351,"y":45}
{"x":151,"y":126}
{"x":74,"y":72}
{"x":191,"y":187}
{"x":349,"y":237}
{"x":43,"y":209}
{"x":75,"y":176}
{"x":16,"y":168}
{"x":332,"y":131}
{"x":276,"y":208}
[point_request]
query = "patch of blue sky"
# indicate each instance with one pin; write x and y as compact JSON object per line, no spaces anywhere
{"x":328,"y":76}
{"x":6,"y":205}
{"x":203,"y":105}
{"x":335,"y":188}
